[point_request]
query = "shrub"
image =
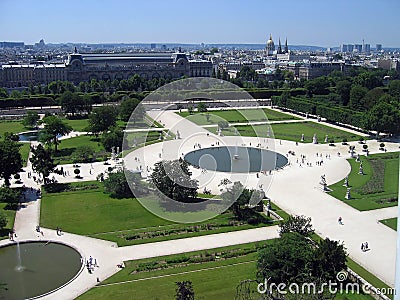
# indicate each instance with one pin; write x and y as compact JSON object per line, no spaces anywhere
{"x":3,"y":220}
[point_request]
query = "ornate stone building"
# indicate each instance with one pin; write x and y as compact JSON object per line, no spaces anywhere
{"x":85,"y":67}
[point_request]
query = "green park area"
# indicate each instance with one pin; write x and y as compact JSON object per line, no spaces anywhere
{"x":12,"y":127}
{"x":67,"y":149}
{"x":217,"y":273}
{"x":377,"y":188}
{"x":83,"y":208}
{"x":236,"y":116}
{"x":392,"y":223}
{"x":292,"y":131}
{"x":10,"y":215}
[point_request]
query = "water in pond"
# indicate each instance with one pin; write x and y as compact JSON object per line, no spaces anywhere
{"x":29,"y":136}
{"x":32,"y":269}
{"x":236,"y":159}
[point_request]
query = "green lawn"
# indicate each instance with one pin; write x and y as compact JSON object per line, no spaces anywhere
{"x":24,"y":150}
{"x":392,"y":223}
{"x":291,"y":131}
{"x":377,"y":188}
{"x":213,"y":278}
{"x":77,"y":124}
{"x":237,"y":116}
{"x":89,"y":211}
{"x":11,"y":126}
{"x":66,"y":148}
{"x":10,"y":217}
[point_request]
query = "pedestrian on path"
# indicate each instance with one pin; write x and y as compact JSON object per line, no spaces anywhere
{"x":340,"y":221}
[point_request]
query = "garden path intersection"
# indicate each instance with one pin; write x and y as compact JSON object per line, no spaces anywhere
{"x":294,"y":188}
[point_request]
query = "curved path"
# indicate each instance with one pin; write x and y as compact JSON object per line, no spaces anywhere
{"x":295,"y":189}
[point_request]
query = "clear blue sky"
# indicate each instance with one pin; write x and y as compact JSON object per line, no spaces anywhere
{"x":307,"y":22}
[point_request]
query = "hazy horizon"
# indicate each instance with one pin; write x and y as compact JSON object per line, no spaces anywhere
{"x":306,"y":22}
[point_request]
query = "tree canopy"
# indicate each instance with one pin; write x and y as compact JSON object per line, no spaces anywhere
{"x":42,"y":161}
{"x":10,"y":159}
{"x":53,"y":128}
{"x":31,"y":119}
{"x":102,"y":118}
{"x":172,"y":179}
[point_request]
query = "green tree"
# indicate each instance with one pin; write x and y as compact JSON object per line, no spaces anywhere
{"x":70,"y":102}
{"x":10,"y":160}
{"x":299,"y":224}
{"x":343,"y":88}
{"x":383,"y":117}
{"x":3,"y":220}
{"x":287,"y":260}
{"x":124,"y":185}
{"x":202,"y":107}
{"x":172,"y":179}
{"x":31,"y":119}
{"x":83,"y":153}
{"x":372,"y":97}
{"x":184,"y":290}
{"x":357,"y":94}
{"x":101,"y":119}
{"x":10,"y":196}
{"x":127,"y":107}
{"x":329,"y":259}
{"x":42,"y":161}
{"x":394,"y":88}
{"x":112,"y":138}
{"x":3,"y":93}
{"x":53,"y":128}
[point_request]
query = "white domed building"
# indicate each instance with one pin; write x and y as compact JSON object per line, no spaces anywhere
{"x":270,"y":48}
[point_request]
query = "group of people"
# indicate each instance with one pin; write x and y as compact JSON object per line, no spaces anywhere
{"x":364,"y":246}
{"x":91,"y":263}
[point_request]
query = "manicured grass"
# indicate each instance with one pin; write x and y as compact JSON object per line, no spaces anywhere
{"x":77,"y":124}
{"x":369,"y":191}
{"x":66,"y":148}
{"x":10,"y":217}
{"x":215,"y":279}
{"x":91,"y":211}
{"x":292,"y":131}
{"x":392,"y":223}
{"x":372,"y":279}
{"x":11,"y":126}
{"x":218,"y":283}
{"x":24,"y":150}
{"x":237,"y":116}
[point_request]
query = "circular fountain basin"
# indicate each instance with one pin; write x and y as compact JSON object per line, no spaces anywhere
{"x":32,"y":269}
{"x":236,"y":159}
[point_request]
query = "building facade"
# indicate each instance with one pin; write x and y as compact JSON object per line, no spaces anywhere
{"x":85,"y":67}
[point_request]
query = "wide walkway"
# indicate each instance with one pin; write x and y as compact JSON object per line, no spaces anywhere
{"x":295,"y":189}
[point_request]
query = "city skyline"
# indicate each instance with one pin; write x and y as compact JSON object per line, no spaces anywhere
{"x":222,"y":22}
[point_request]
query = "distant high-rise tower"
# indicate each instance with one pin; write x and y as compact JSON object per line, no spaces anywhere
{"x":270,"y":48}
{"x":378,"y":47}
{"x":286,"y":47}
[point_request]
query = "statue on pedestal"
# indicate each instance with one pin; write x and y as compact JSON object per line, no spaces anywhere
{"x":314,"y":139}
{"x":348,"y":196}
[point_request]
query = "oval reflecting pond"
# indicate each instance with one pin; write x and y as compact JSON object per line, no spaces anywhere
{"x":236,"y":159}
{"x":35,"y":268}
